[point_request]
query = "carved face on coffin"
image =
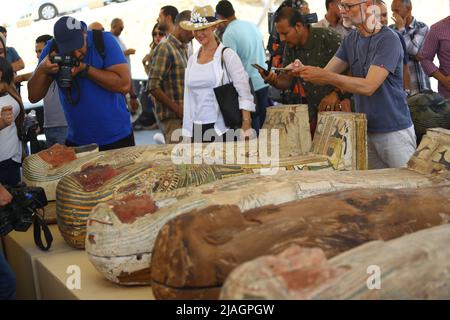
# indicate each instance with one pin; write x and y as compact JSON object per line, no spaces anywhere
{"x":195,"y":252}
{"x":300,"y":270}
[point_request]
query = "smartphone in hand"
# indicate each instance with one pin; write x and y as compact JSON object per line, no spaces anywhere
{"x":261,"y":69}
{"x":286,"y":69}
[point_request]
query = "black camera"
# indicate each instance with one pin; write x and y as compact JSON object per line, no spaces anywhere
{"x":66,"y":63}
{"x":18,"y":215}
{"x":309,"y":18}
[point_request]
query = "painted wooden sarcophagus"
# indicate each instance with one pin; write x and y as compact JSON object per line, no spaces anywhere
{"x":415,"y":266}
{"x":340,"y":144}
{"x":122,"y":250}
{"x":195,"y":252}
{"x":47,"y":168}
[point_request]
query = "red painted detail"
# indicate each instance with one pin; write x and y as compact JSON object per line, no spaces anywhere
{"x":133,"y":207}
{"x":93,"y":177}
{"x":58,"y":155}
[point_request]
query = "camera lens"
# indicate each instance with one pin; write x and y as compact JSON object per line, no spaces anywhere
{"x":65,"y":77}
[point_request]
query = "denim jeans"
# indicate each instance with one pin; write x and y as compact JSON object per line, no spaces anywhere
{"x":7,"y":280}
{"x":55,"y":135}
{"x":262,"y":103}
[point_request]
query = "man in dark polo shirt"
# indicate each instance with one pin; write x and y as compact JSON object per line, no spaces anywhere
{"x":314,"y":45}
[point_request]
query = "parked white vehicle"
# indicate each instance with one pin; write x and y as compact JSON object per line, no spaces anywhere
{"x":49,"y":9}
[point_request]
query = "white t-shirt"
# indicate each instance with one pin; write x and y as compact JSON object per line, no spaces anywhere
{"x":11,"y":148}
{"x":124,"y":48}
{"x":201,"y":80}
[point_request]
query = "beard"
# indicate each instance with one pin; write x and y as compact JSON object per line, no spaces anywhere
{"x":346,"y":22}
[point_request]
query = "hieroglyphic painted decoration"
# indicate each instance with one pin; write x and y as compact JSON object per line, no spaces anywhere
{"x":122,"y":252}
{"x":74,"y":202}
{"x":293,"y":129}
{"x":433,"y":154}
{"x":294,"y":139}
{"x":39,"y":172}
{"x":343,"y":140}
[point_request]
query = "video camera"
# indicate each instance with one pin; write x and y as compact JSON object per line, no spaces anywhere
{"x":22,"y":212}
{"x":66,"y":63}
{"x":18,"y":215}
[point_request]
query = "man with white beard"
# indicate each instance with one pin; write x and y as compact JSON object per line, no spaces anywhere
{"x":374,"y":55}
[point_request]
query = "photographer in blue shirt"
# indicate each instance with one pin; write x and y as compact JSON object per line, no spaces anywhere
{"x":92,"y":83}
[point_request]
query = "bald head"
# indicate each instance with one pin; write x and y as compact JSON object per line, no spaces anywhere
{"x":117,"y":27}
{"x":402,"y":7}
{"x":96,"y":26}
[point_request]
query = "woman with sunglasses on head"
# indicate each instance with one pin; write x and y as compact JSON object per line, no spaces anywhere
{"x":205,"y":71}
{"x":147,"y":120}
{"x":158,"y":34}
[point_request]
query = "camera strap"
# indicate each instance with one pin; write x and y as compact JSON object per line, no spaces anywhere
{"x":39,"y":226}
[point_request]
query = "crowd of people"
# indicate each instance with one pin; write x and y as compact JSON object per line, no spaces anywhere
{"x":351,"y":60}
{"x":84,"y":74}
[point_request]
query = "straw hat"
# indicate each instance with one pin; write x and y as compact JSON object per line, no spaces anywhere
{"x":201,"y":18}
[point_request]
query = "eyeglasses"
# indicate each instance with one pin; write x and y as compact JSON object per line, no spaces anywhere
{"x":161,"y":34}
{"x":347,"y":6}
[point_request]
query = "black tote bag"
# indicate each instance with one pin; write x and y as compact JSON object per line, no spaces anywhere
{"x":228,"y":100}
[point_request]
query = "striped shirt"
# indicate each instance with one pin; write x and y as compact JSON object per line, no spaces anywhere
{"x":166,"y":72}
{"x":414,"y":36}
{"x":438,"y":42}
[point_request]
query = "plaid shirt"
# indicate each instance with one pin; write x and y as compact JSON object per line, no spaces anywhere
{"x":169,"y":61}
{"x":438,"y":43}
{"x":414,"y":36}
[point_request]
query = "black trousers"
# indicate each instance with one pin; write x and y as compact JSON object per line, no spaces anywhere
{"x":122,"y":143}
{"x":9,"y":172}
{"x":199,"y":136}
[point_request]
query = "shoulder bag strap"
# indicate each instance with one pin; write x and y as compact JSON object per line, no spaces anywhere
{"x":224,"y":66}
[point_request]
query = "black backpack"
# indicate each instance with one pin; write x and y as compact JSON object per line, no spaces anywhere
{"x":429,"y":110}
